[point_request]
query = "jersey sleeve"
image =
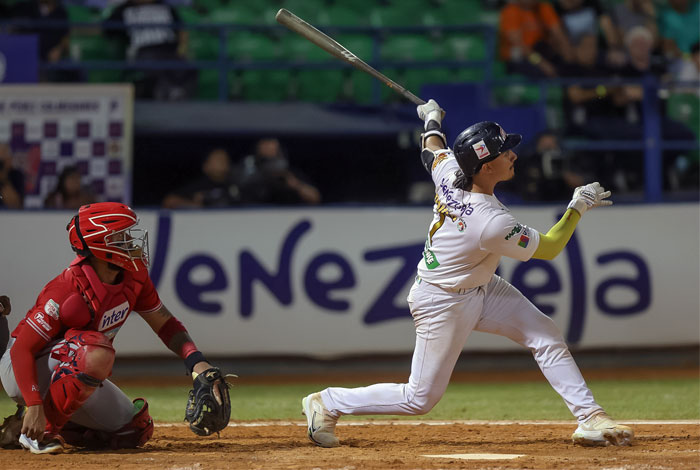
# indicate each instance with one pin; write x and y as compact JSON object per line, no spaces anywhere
{"x":444,"y":167}
{"x":44,"y":317}
{"x":503,"y":235}
{"x":148,"y":300}
{"x":41,"y":324}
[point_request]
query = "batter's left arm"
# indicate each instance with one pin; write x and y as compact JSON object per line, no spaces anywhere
{"x":175,"y":336}
{"x":585,"y":198}
{"x":554,"y":241}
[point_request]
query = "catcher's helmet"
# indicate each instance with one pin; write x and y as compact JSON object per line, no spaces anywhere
{"x":106,"y":231}
{"x":481,"y":143}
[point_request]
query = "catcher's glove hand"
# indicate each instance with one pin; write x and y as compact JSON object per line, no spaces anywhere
{"x":205,"y":413}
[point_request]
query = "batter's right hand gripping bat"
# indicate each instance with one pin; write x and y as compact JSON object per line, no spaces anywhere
{"x":325,"y":42}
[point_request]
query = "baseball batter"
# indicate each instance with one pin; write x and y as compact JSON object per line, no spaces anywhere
{"x":457,"y":291}
{"x":60,"y":355}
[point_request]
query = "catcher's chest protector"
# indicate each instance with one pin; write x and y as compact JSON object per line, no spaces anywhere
{"x":109,"y":305}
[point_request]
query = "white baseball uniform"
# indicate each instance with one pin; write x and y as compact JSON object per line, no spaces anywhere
{"x":457,"y":291}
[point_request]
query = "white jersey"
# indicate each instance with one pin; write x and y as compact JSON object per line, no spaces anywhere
{"x":469,"y":233}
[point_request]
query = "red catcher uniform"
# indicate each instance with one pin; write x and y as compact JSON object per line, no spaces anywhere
{"x":61,"y":353}
{"x":60,"y":307}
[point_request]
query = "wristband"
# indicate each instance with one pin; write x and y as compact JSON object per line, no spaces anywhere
{"x":579,"y":205}
{"x":193,"y":359}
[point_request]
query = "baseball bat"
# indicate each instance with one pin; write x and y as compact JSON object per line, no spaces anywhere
{"x":330,"y":45}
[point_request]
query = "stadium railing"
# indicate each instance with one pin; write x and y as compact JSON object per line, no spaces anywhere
{"x":652,"y":146}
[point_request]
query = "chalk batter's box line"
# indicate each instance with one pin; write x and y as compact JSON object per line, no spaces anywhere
{"x":255,"y":424}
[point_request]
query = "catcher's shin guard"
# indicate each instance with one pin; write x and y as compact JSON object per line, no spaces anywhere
{"x":86,"y":360}
{"x":134,"y":434}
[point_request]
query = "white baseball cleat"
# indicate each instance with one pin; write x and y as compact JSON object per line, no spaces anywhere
{"x":48,"y":445}
{"x":601,"y":430}
{"x":321,"y":425}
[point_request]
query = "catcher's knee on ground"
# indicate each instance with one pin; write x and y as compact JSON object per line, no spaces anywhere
{"x":133,"y":434}
{"x":86,"y":360}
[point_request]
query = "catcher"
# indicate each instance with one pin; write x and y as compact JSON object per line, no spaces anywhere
{"x":60,"y":355}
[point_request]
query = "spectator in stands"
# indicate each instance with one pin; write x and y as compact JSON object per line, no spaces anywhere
{"x":267,"y":177}
{"x":53,"y":42}
{"x":69,"y":192}
{"x":11,"y":181}
{"x":679,"y":30}
{"x":631,"y":13}
{"x":689,"y":71}
{"x":615,"y":112}
{"x":587,"y":17}
{"x":532,"y":40}
{"x":552,"y":173}
{"x":155,"y":43}
{"x":216,"y":187}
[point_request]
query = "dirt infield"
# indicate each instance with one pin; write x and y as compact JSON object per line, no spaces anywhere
{"x":385,"y":446}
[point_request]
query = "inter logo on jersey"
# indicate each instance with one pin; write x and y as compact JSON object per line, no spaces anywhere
{"x":481,"y":150}
{"x":524,"y":240}
{"x":113,"y":317}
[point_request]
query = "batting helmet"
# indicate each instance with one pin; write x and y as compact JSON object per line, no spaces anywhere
{"x":481,"y":143}
{"x":106,"y":231}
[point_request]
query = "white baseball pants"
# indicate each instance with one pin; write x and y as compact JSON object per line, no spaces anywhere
{"x":443,"y":322}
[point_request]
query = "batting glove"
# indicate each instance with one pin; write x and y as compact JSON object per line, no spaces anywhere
{"x":431,"y":111}
{"x":589,"y":196}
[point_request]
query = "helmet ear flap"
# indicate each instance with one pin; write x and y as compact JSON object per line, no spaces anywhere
{"x":84,"y":251}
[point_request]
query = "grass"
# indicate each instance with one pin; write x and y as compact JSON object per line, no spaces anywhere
{"x":623,"y":399}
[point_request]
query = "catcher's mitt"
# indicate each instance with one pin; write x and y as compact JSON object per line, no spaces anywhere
{"x":204,"y":413}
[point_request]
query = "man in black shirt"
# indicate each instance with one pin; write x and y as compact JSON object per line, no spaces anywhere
{"x":159,"y":39}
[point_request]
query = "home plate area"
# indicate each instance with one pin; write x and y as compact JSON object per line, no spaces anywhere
{"x":388,"y":445}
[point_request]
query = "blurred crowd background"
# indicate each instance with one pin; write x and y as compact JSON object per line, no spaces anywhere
{"x":218,"y":85}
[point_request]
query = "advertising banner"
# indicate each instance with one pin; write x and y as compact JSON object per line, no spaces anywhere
{"x":328,"y":282}
{"x":49,"y":127}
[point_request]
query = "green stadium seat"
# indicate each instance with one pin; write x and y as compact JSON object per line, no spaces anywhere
{"x":464,"y":47}
{"x":298,"y":49}
{"x":95,"y":47}
{"x":516,"y":94}
{"x":304,"y":9}
{"x":359,"y":87}
{"x":203,"y":44}
{"x":387,"y":16}
{"x":207,"y":85}
{"x":408,"y":78}
{"x":457,"y":12}
{"x":360,"y":44}
{"x":249,"y":46}
{"x":409,"y":47}
{"x":319,"y":86}
{"x":260,"y":85}
{"x":234,"y":15}
{"x":685,"y":108}
{"x":210,"y":5}
{"x":192,"y":15}
{"x":82,"y":14}
{"x":340,"y":15}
